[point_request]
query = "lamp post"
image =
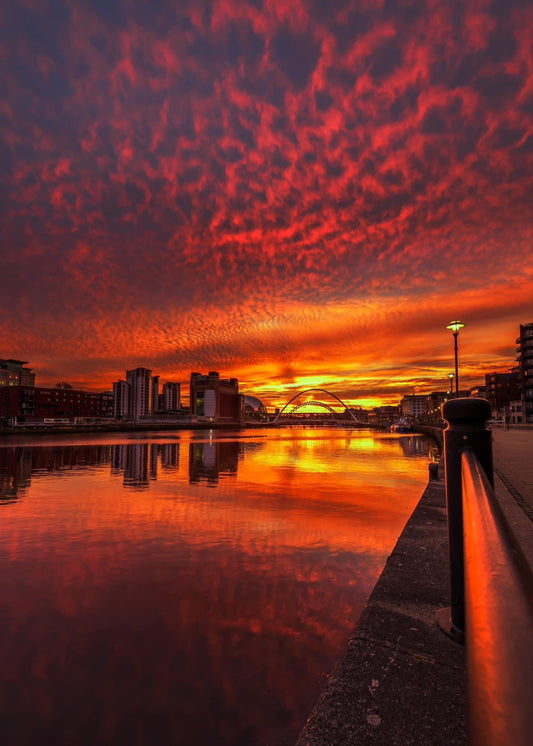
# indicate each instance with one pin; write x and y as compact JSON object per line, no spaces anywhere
{"x":450,"y":376}
{"x":455,"y":326}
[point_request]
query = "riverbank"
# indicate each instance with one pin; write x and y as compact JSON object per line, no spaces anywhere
{"x":119,"y":427}
{"x":400,"y":679}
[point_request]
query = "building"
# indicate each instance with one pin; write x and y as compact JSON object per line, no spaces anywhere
{"x":414,"y":405}
{"x":155,"y":403}
{"x":171,"y":397}
{"x":34,"y":403}
{"x":254,"y":409}
{"x":385,"y":415}
{"x":17,"y":402}
{"x":138,"y":396}
{"x":13,"y":373}
{"x":139,"y":392}
{"x":215,"y":399}
{"x":525,"y":370}
{"x":107,"y":404}
{"x":121,"y":404}
{"x":500,"y":390}
{"x":434,"y":402}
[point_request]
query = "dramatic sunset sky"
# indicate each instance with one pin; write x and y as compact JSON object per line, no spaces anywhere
{"x":293,"y":192}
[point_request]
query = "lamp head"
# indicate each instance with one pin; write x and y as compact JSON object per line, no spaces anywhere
{"x":455,"y":326}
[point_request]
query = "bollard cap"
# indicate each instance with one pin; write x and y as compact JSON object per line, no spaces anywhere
{"x":467,"y":410}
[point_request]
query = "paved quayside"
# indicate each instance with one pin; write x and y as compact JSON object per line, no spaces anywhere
{"x":401,"y":680}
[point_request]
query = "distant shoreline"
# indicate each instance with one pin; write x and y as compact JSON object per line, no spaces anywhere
{"x":121,"y":428}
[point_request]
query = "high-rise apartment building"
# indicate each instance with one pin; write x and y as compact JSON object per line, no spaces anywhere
{"x":525,"y":369}
{"x":171,"y":396}
{"x":154,"y":395}
{"x":121,"y":405}
{"x":139,"y":381}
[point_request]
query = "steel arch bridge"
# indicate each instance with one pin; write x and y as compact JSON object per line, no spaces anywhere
{"x":316,"y":403}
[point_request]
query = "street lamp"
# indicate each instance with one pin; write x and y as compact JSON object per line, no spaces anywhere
{"x":455,"y":326}
{"x":450,"y":376}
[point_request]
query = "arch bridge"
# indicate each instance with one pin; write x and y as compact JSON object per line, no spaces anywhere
{"x":300,"y":409}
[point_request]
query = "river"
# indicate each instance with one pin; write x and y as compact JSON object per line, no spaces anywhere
{"x":189,"y":587}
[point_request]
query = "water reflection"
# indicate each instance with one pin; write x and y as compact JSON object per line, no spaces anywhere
{"x":210,"y":461}
{"x":189,"y":591}
{"x":139,"y":463}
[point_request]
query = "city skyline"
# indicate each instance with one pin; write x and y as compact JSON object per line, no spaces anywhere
{"x":291,"y":194}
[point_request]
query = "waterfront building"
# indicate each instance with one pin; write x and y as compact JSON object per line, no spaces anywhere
{"x":154,"y":395}
{"x":107,"y":400}
{"x":171,"y":397}
{"x":139,"y":392}
{"x":254,"y":409}
{"x":384,"y":416}
{"x":434,"y":402}
{"x":500,"y":390}
{"x":121,"y":406}
{"x":215,"y":399}
{"x":525,"y":370}
{"x":30,"y":403}
{"x":414,"y":405}
{"x":17,"y":401}
{"x":13,"y":373}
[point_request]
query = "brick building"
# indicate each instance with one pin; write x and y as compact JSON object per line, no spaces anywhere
{"x":216,"y":399}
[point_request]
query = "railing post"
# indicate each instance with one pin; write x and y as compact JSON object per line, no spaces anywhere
{"x":467,"y":428}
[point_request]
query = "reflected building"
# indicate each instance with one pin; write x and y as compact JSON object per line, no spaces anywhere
{"x":170,"y":456}
{"x":15,"y":471}
{"x":20,"y":464}
{"x":139,"y":462}
{"x":209,"y":461}
{"x":136,"y":465}
{"x":414,"y":445}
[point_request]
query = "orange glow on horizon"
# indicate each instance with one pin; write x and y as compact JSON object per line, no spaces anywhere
{"x":308,"y":204}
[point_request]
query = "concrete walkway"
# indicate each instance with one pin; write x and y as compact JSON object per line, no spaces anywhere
{"x":513,"y":482}
{"x":400,"y":680}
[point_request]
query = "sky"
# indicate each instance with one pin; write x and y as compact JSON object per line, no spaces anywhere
{"x":296,"y":193}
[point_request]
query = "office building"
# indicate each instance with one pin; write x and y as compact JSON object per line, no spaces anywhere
{"x":215,"y":399}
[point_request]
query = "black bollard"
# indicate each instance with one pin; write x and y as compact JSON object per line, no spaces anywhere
{"x":467,"y":420}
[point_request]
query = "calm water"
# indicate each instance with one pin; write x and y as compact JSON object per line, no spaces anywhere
{"x":189,"y":587}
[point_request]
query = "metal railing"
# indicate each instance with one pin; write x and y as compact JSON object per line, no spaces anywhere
{"x":491,"y":586}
